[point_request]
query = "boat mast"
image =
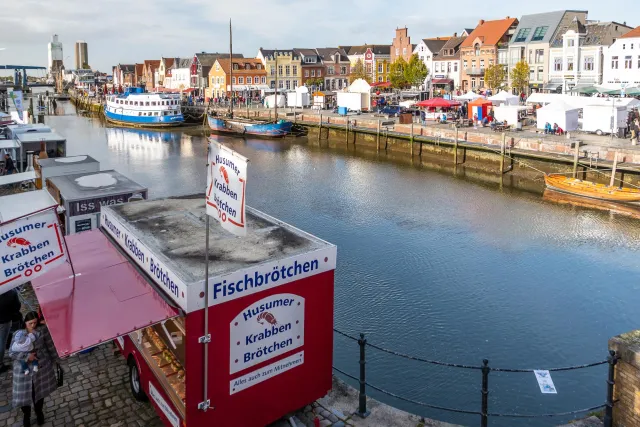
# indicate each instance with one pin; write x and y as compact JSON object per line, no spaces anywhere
{"x":231,"y":65}
{"x":275,"y":53}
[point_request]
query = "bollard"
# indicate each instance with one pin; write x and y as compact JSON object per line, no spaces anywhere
{"x":608,"y":415}
{"x":362,"y":396}
{"x":485,"y":392}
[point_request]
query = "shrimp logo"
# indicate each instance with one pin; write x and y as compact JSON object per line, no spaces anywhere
{"x":267,"y":317}
{"x":224,"y":174}
{"x":17,"y":241}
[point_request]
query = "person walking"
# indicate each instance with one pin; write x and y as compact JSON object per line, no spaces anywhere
{"x":9,"y":313}
{"x":35,"y":387}
{"x":9,"y":167}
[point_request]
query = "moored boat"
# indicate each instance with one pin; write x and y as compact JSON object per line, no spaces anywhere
{"x":239,"y":126}
{"x":591,"y":189}
{"x":138,"y":109}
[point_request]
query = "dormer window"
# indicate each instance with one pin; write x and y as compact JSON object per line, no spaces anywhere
{"x":247,"y":66}
{"x":236,"y":67}
{"x":477,"y":49}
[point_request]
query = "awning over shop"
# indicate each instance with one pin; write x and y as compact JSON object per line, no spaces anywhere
{"x":381,"y":84}
{"x":441,"y":81}
{"x":108,"y":297}
{"x":188,"y":90}
{"x":552,"y":85}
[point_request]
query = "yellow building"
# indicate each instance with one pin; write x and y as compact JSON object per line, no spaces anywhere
{"x":376,"y":59}
{"x":289,"y":68}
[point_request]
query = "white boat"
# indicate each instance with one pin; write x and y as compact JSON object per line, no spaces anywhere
{"x":138,"y":109}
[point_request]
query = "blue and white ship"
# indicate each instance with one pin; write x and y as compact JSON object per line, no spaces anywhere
{"x":138,"y":109}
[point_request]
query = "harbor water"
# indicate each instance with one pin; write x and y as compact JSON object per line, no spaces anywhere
{"x":429,"y":264}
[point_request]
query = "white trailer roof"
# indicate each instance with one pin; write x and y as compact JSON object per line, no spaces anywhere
{"x":20,"y":205}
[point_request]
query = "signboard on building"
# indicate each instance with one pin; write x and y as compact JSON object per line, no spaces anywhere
{"x":29,"y":247}
{"x":226,"y":185}
{"x":87,"y":206}
{"x":266,"y":329}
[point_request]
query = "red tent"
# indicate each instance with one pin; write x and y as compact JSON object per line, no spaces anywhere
{"x":381,"y":84}
{"x":438,"y":103}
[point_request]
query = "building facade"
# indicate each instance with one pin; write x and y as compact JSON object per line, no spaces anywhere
{"x":249,"y":78}
{"x":55,"y":55}
{"x":178,"y":75}
{"x":444,"y":75}
{"x":149,"y":73}
{"x":312,"y":67}
{"x":480,"y":50}
{"x":163,"y":68}
{"x":337,"y":67}
{"x":622,"y":62}
{"x":577,"y":54}
{"x":532,"y":40}
{"x":428,"y":50}
{"x":375,"y":58}
{"x":201,"y":65}
{"x":123,"y":75}
{"x":401,"y":45}
{"x":82,"y":55}
{"x":288,"y":67}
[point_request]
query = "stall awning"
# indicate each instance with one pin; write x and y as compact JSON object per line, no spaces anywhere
{"x":441,"y":81}
{"x":17,"y":177}
{"x":552,"y":85}
{"x":109,"y":297}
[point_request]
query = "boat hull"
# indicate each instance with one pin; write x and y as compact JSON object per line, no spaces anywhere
{"x":256,"y":129}
{"x":144,"y":121}
{"x":591,"y":190}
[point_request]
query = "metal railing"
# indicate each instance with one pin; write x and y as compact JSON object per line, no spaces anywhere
{"x":474,"y":71}
{"x":485,"y":370}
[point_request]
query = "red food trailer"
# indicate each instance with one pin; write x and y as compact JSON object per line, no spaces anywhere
{"x":140,"y":279}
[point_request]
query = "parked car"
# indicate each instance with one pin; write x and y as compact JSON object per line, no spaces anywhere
{"x":391,"y":110}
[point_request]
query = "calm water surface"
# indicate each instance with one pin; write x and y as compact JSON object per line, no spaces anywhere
{"x":428,"y":264}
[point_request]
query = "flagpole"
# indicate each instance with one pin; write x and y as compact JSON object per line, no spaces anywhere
{"x":206,"y":338}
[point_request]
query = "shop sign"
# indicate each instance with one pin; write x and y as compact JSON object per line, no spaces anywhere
{"x":29,"y":247}
{"x":142,"y":256}
{"x":87,"y":206}
{"x":266,"y":329}
{"x":83,"y":225}
{"x":164,"y":406}
{"x":226,"y":184}
{"x":266,"y":372}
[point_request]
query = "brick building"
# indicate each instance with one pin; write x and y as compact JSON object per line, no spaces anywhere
{"x":401,"y":46}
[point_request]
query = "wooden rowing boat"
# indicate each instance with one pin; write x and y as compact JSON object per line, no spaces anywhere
{"x":591,"y":189}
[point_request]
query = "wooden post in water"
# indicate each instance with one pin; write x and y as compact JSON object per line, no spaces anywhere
{"x":346,"y":135}
{"x":613,"y":170}
{"x":502,"y":148}
{"x":320,"y":128}
{"x":378,"y":137}
{"x":411,"y":140}
{"x":576,"y":155}
{"x":455,"y":148}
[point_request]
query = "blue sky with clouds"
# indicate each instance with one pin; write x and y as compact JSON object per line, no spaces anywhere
{"x":129,"y":31}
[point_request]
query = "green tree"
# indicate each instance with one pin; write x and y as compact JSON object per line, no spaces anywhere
{"x":86,"y":66}
{"x":416,"y":71}
{"x":359,"y":72}
{"x":314,"y":82}
{"x":398,"y":72}
{"x":494,"y":76}
{"x":520,"y":76}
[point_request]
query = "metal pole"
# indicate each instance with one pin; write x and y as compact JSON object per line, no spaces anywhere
{"x":608,"y":415}
{"x":362,"y":396}
{"x":576,"y":155}
{"x":485,"y":392}
{"x":205,"y":339}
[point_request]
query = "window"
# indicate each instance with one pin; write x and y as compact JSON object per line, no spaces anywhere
{"x":623,"y":46}
{"x":570,"y":63}
{"x":146,"y":103}
{"x":539,"y":33}
{"x":614,"y":62}
{"x":258,"y":66}
{"x":240,"y":80}
{"x":490,"y":61}
{"x":217,"y":66}
{"x":540,"y":74}
{"x":455,"y":67}
{"x":233,"y":80}
{"x":638,"y":62}
{"x":313,"y":73}
{"x":627,"y":62}
{"x":522,"y":35}
{"x":557,"y":64}
{"x":571,"y":43}
{"x":397,"y":52}
{"x":264,"y":79}
{"x":279,"y":70}
{"x":473,"y":63}
{"x":272,"y":70}
{"x":153,"y":103}
{"x":482,"y":63}
{"x":477,"y":50}
{"x":473,"y":82}
{"x":295,"y":70}
{"x":288,"y":83}
{"x":539,"y":56}
{"x":588,"y":63}
{"x":465,"y":63}
{"x":437,"y":66}
{"x":404,"y":51}
{"x":213,"y":80}
{"x":448,"y":67}
{"x":530,"y":56}
{"x":272,"y":84}
{"x":379,"y":78}
{"x":306,"y":73}
{"x":280,"y":84}
{"x":287,"y":70}
{"x":330,"y":70}
{"x":236,"y":67}
{"x":309,"y":60}
{"x":380,"y":67}
{"x":343,"y":70}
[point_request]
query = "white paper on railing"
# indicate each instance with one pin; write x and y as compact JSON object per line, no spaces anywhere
{"x":545,"y":382}
{"x":226,"y":185}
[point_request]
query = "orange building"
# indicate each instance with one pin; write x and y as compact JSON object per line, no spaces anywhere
{"x":480,"y":50}
{"x":249,"y":78}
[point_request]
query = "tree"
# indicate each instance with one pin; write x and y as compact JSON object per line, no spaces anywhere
{"x":397,"y":73}
{"x":494,"y":76}
{"x":359,"y":72}
{"x":86,"y":66}
{"x":314,"y":82}
{"x":520,"y":76}
{"x":416,"y":71}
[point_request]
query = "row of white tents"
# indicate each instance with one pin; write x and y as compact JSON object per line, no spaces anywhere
{"x":500,"y":98}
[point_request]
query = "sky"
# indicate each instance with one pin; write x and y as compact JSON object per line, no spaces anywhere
{"x":129,"y":31}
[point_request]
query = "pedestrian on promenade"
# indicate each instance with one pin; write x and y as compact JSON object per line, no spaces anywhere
{"x":9,"y":313}
{"x":33,"y":388}
{"x":9,"y":167}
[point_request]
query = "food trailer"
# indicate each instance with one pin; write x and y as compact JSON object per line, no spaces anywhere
{"x":141,"y":280}
{"x":33,"y":141}
{"x":82,"y":196}
{"x":59,"y":166}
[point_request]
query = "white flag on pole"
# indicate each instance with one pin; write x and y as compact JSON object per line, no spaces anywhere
{"x":226,"y":185}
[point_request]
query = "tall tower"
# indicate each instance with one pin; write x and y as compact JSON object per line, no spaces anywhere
{"x":82,"y":54}
{"x":55,"y":54}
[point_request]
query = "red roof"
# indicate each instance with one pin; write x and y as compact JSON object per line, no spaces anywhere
{"x":633,"y":33}
{"x":490,"y":32}
{"x":381,"y":84}
{"x":480,"y":101}
{"x":438,"y":103}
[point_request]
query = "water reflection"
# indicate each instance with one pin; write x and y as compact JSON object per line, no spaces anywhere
{"x":149,"y":145}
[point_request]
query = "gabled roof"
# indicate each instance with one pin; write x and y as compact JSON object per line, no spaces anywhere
{"x":269,"y":53}
{"x":453,"y":43}
{"x":603,"y":33}
{"x":208,"y":59}
{"x":633,"y":33}
{"x":126,"y":68}
{"x":305,"y":52}
{"x":567,"y":23}
{"x":435,"y":44}
{"x":325,"y":53}
{"x":139,"y":69}
{"x":377,"y":49}
{"x":182,"y":63}
{"x":168,"y":62}
{"x":490,"y":32}
{"x":468,"y":30}
{"x":225,"y":64}
{"x":153,"y":64}
{"x":551,"y":20}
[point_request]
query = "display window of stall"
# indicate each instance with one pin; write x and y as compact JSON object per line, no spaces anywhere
{"x":163,"y":347}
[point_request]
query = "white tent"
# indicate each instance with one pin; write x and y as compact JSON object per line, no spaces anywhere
{"x":581,"y":101}
{"x":504,"y":98}
{"x":299,"y":97}
{"x":361,"y":86}
{"x":565,"y":115}
{"x":510,"y":113}
{"x":469,"y":96}
{"x":270,"y":100}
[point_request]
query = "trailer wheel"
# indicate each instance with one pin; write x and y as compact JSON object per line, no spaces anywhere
{"x":598,"y":132}
{"x":134,"y":381}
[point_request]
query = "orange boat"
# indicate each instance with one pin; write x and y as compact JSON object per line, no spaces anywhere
{"x":591,"y":189}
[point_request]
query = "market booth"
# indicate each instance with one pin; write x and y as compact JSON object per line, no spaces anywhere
{"x":141,"y":278}
{"x":47,"y":168}
{"x":565,"y":115}
{"x":479,"y":106}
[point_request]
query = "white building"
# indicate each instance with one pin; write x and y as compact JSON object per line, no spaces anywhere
{"x":622,"y":62}
{"x":427,"y":50}
{"x":55,"y":54}
{"x":577,"y":54}
{"x":178,"y":76}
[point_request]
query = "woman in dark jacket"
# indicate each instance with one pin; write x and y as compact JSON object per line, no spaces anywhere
{"x":33,"y":388}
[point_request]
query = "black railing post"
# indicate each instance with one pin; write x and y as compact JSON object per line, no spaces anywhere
{"x":485,"y":392}
{"x":608,"y":415}
{"x":362,"y":396}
